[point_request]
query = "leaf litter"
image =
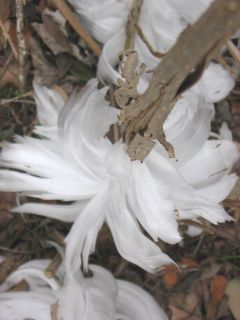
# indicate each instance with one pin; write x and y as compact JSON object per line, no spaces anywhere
{"x":206,"y":283}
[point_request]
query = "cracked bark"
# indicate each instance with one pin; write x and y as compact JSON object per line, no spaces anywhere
{"x":196,"y":46}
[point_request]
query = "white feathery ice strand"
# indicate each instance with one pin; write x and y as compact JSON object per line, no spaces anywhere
{"x":78,"y":163}
{"x":100,"y":297}
{"x":102,"y":18}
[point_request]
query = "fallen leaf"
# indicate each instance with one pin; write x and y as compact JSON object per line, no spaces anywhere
{"x":217,"y":288}
{"x":51,"y":34}
{"x":177,"y":314}
{"x":54,"y":34}
{"x":233,"y":293}
{"x":171,"y":276}
{"x":45,"y":73}
{"x":185,"y":306}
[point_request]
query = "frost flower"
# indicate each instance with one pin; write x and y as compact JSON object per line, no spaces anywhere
{"x":78,"y":164}
{"x":98,"y":297}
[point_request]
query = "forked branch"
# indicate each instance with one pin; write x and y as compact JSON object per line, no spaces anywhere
{"x":196,"y":46}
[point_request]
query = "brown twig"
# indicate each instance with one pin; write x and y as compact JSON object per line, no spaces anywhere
{"x":235,"y":52}
{"x":53,"y":266}
{"x":16,"y":99}
{"x":57,"y":236}
{"x":195,"y":46}
{"x":220,"y":59}
{"x":22,"y":51}
{"x":2,"y":248}
{"x":76,"y":25}
{"x":149,"y":46}
{"x":131,"y":22}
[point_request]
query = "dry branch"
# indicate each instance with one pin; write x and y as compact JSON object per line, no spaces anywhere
{"x":195,"y":47}
{"x":74,"y":22}
{"x":131,"y":22}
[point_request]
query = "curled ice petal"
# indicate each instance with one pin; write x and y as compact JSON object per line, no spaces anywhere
{"x":102,"y":19}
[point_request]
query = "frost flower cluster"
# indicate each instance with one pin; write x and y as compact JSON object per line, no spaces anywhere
{"x":77,"y":163}
{"x":99,"y":297}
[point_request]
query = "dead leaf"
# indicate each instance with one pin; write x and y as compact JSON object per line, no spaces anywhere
{"x":217,"y":287}
{"x":51,"y":34}
{"x":171,"y":276}
{"x":177,"y":314}
{"x":45,"y":73}
{"x":54,"y":34}
{"x":185,"y":306}
{"x":233,"y":293}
